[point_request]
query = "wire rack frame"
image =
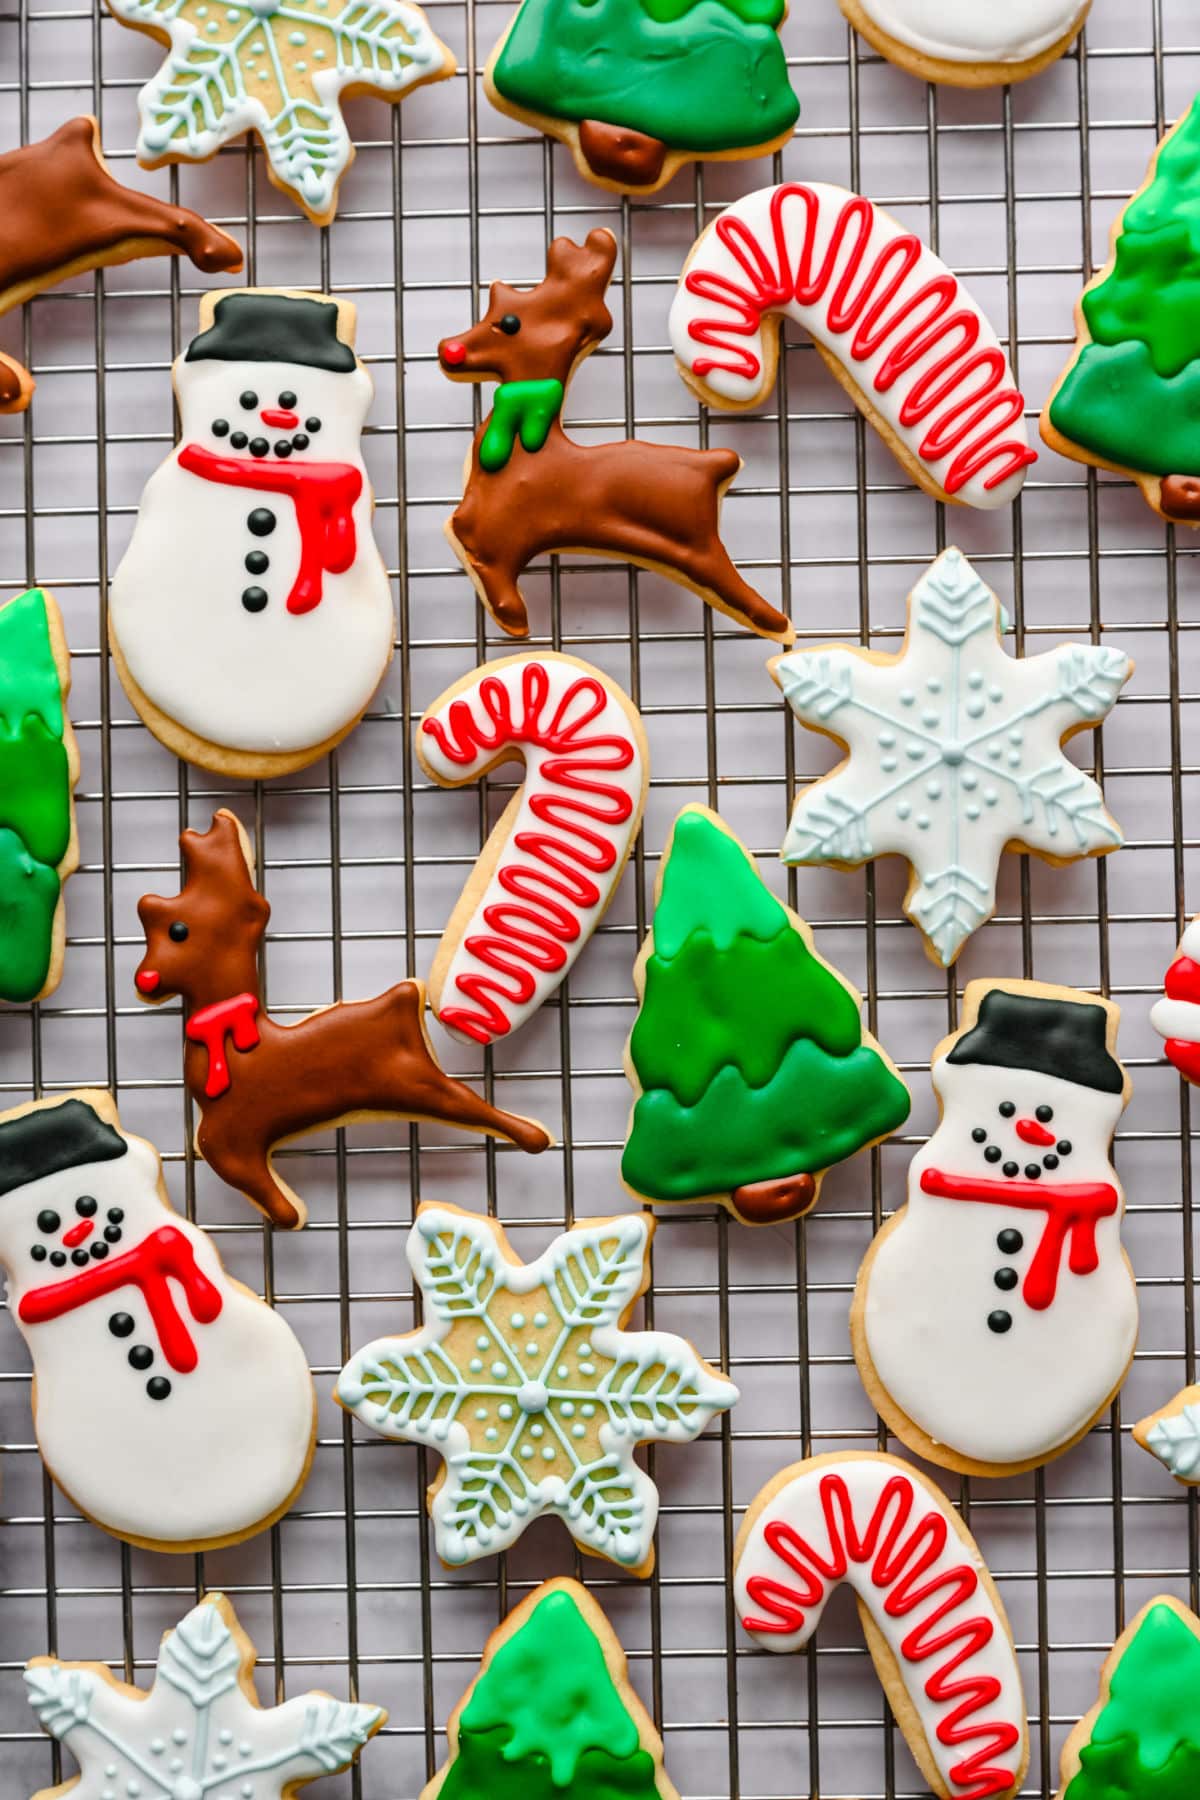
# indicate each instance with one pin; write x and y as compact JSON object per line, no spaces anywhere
{"x":361,"y":862}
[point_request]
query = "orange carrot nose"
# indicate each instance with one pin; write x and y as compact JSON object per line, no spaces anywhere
{"x":147,"y":980}
{"x":453,"y":353}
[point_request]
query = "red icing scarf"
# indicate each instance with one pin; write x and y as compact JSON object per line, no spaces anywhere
{"x":324,"y":495}
{"x":1072,"y":1208}
{"x":210,"y":1025}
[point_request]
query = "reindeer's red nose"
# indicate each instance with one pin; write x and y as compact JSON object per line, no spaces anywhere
{"x":1030,"y":1132}
{"x":147,"y":980}
{"x":278,"y":419}
{"x":453,"y":353}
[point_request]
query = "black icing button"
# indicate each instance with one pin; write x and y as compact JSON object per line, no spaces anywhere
{"x":141,"y":1356}
{"x":257,"y":562}
{"x":259,"y":446}
{"x":1009,"y":1240}
{"x":1006,"y":1279}
{"x":220,"y":427}
{"x":80,"y":1258}
{"x":158,"y":1388}
{"x":99,"y":1250}
{"x":1012,"y":1169}
{"x":238,"y":441}
{"x":58,"y":1259}
{"x":254,"y":599}
{"x":38,"y":1252}
{"x":112,"y":1234}
{"x":261,"y":521}
{"x":48,"y":1222}
{"x":993,"y":1153}
{"x":121,"y":1325}
{"x":999,"y":1322}
{"x":85,"y":1206}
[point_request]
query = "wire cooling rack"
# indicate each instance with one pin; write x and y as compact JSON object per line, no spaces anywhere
{"x":362,"y":860}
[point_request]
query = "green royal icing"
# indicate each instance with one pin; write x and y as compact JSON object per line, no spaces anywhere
{"x":35,"y":795}
{"x":28,"y":898}
{"x":748,"y":1049}
{"x":1145,"y":1744}
{"x":701,"y":75}
{"x":524,"y":409}
{"x":545,"y":1718}
{"x":1133,"y":395}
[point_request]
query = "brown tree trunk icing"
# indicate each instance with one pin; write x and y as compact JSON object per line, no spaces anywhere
{"x":615,"y":153}
{"x":1181,"y":498}
{"x":774,"y":1202}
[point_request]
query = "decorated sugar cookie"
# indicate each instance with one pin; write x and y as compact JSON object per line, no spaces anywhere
{"x":257,"y":1084}
{"x":1129,"y":398}
{"x":552,"y":863}
{"x":529,"y":488}
{"x":200,"y":1417}
{"x":891,"y":322}
{"x":1006,"y":1265}
{"x":970,"y":44}
{"x":39,"y":767}
{"x":551,"y":1712}
{"x":1176,"y":1017}
{"x":64,"y":212}
{"x":1141,"y":1741}
{"x":525,"y":1380}
{"x":278,"y":68}
{"x":199,"y":1733}
{"x":251,"y":616}
{"x":953,"y":753}
{"x":1172,"y":1434}
{"x":934,"y":1623}
{"x":637,"y":88}
{"x":751,"y":1070}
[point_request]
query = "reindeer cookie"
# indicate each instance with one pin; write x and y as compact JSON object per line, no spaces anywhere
{"x":258,"y":1084}
{"x":529,"y":488}
{"x":200,"y":1418}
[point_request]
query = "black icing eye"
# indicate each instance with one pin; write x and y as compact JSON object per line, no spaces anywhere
{"x":1044,"y":1114}
{"x":48,"y":1222}
{"x":313,"y":425}
{"x":248,"y":401}
{"x":510,"y":324}
{"x":1006,"y":1109}
{"x":177,"y":931}
{"x":287,"y":400}
{"x":220,"y":427}
{"x":85,"y":1206}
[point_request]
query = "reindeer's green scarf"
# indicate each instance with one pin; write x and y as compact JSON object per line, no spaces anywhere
{"x":524,"y":409}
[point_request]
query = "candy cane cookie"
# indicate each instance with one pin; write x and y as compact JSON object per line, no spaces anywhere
{"x":970,"y":43}
{"x":1176,"y":1017}
{"x":934,"y":1623}
{"x":552,"y":863}
{"x":894,"y":325}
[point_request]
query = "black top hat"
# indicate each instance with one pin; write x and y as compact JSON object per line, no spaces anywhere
{"x":55,"y":1138}
{"x":1067,"y":1038}
{"x":274,"y":328}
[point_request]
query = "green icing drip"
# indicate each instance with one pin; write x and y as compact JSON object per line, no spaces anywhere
{"x":545,"y":1717}
{"x":748,"y":1049}
{"x":35,"y":790}
{"x":28,"y":898}
{"x":1114,"y":404}
{"x":28,"y":673}
{"x":1145,"y":1744}
{"x":701,"y":75}
{"x":525,"y":409}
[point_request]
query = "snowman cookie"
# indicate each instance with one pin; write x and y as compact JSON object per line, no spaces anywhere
{"x":251,"y":617}
{"x":199,"y":1421}
{"x":969,"y":43}
{"x":1006,"y":1265}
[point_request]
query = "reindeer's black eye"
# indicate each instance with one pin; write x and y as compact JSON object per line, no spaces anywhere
{"x":510,"y":324}
{"x":177,"y":931}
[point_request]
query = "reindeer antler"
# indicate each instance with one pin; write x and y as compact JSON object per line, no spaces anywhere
{"x":222,"y":853}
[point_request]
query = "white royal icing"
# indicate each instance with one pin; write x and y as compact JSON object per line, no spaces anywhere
{"x":267,"y":681}
{"x":195,"y":1735}
{"x":955,"y":751}
{"x":1179,"y":1019}
{"x":1022,"y":1394}
{"x":974,"y":31}
{"x":945,"y":391}
{"x":866,"y":1520}
{"x":509,"y":1403}
{"x":1175,"y":1440}
{"x":558,"y":852}
{"x":228,"y":1445}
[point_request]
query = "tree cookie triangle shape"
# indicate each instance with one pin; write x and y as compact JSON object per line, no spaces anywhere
{"x":751,"y":1070}
{"x":954,"y":753}
{"x":1141,"y":1741}
{"x":551,"y":1712}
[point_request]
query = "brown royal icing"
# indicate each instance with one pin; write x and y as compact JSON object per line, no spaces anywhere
{"x":62,"y":208}
{"x":618,"y":153}
{"x":1181,"y":497}
{"x":649,"y":503}
{"x":256,"y":1082}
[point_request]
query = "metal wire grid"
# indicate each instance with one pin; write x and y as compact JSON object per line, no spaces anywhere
{"x":361,"y":862}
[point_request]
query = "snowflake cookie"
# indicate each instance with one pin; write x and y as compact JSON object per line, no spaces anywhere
{"x":1172,"y":1434}
{"x":199,"y":1733}
{"x":278,"y":68}
{"x":953,"y":753}
{"x":526,"y":1383}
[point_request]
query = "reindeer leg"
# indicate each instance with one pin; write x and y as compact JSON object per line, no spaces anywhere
{"x":433,"y":1094}
{"x":246,"y":1165}
{"x":715,"y":574}
{"x":497,"y":586}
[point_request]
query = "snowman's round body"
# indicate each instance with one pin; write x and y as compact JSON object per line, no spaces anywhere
{"x":149,"y":1447}
{"x":205,"y":609}
{"x":975,"y":1320}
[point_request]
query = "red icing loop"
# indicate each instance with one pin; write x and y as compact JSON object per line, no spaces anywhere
{"x":209,"y":1025}
{"x":551,"y":880}
{"x":1182,"y":981}
{"x":1072,"y":1209}
{"x":163,"y":1257}
{"x":324,"y":495}
{"x":1186,"y":1058}
{"x":965,"y":394}
{"x":898,"y":1563}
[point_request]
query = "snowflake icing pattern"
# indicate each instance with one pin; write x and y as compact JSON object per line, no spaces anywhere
{"x":526,"y":1384}
{"x":276,"y":67}
{"x":954,"y":750}
{"x":196,"y":1734}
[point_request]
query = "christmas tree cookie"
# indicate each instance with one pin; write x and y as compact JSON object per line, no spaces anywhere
{"x":1141,"y":1741}
{"x":551,"y":1712}
{"x":636,"y":88}
{"x":751,"y":1069}
{"x":1129,"y":399}
{"x":39,"y":766}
